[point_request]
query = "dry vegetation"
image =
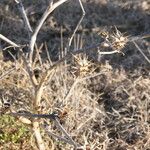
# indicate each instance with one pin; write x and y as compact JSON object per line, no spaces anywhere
{"x":103,"y":101}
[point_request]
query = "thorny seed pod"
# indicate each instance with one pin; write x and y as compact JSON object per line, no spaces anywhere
{"x":81,"y":65}
{"x":116,"y":41}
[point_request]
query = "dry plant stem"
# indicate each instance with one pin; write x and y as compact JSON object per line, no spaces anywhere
{"x":8,"y":41}
{"x":37,"y":101}
{"x":48,"y":56}
{"x":58,"y":137}
{"x":148,"y":60}
{"x":85,"y":122}
{"x":70,"y":90}
{"x":75,"y":30}
{"x":29,"y":70}
{"x":37,"y":91}
{"x":7,"y":73}
{"x":108,"y":53}
{"x":50,"y":8}
{"x":8,"y":47}
{"x":90,"y":76}
{"x":25,"y":18}
{"x":37,"y":56}
{"x":37,"y":133}
{"x":57,"y":123}
{"x":39,"y":88}
{"x":143,"y":36}
{"x":36,"y":106}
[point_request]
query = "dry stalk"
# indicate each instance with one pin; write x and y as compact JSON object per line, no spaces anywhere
{"x":148,"y":60}
{"x":36,"y":129}
{"x":77,"y":26}
{"x":70,"y":90}
{"x":49,"y":10}
{"x":7,"y":72}
{"x":30,"y":71}
{"x":8,"y":41}
{"x":55,"y":136}
{"x":38,"y":89}
{"x":25,"y":18}
{"x":36,"y":105}
{"x":65,"y":133}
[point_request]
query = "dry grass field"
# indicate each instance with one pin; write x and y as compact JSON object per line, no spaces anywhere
{"x":102,"y":101}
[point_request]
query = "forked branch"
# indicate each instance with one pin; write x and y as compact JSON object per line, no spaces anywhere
{"x":49,"y":10}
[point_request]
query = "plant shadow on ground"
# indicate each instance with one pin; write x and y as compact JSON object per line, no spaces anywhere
{"x":125,"y":87}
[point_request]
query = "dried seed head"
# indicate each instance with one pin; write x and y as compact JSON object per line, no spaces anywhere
{"x":119,"y":43}
{"x":118,"y":40}
{"x":81,"y":65}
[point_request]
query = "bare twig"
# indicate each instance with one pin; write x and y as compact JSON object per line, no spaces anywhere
{"x":59,"y":137}
{"x":7,"y":73}
{"x":77,"y":26}
{"x":140,"y":37}
{"x":8,"y":41}
{"x":70,"y":90}
{"x":108,"y":53}
{"x":8,"y":47}
{"x":48,"y":56}
{"x":25,"y":18}
{"x":148,"y":60}
{"x":31,"y":115}
{"x":29,"y":70}
{"x":39,"y":89}
{"x":36,"y":129}
{"x":57,"y":123}
{"x":50,"y":8}
{"x":56,"y":136}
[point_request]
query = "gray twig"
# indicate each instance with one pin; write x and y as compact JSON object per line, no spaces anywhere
{"x":46,"y":127}
{"x":8,"y":41}
{"x":49,"y":9}
{"x":78,"y":24}
{"x":55,"y":136}
{"x":57,"y":123}
{"x":31,"y":115}
{"x":25,"y":18}
{"x":7,"y":73}
{"x":148,"y":60}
